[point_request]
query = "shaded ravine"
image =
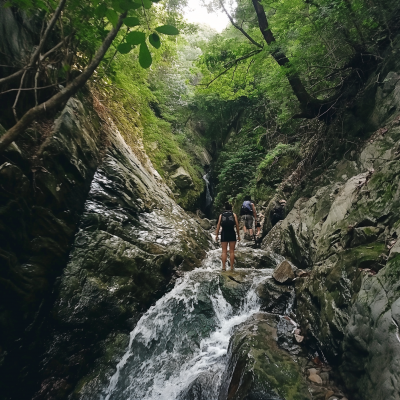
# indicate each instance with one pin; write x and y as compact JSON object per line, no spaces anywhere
{"x":184,"y":337}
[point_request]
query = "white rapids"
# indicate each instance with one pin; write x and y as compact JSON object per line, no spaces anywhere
{"x":184,"y":337}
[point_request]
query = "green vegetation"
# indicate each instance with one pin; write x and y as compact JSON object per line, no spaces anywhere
{"x":257,"y":96}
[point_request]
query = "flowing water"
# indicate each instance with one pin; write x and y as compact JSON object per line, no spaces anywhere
{"x":180,"y":344}
{"x":209,"y":199}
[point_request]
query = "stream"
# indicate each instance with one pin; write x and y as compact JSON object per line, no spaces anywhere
{"x":183,"y":339}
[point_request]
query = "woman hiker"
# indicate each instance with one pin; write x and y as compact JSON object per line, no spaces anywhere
{"x":228,"y":220}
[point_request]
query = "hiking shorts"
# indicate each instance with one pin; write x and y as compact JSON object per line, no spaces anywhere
{"x":248,"y":221}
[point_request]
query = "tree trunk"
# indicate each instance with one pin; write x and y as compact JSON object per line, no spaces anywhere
{"x":310,"y":106}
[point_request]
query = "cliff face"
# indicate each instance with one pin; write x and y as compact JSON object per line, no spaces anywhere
{"x":90,"y":239}
{"x":343,"y":229}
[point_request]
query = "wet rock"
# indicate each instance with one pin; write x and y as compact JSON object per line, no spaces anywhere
{"x":247,"y":257}
{"x":275,"y":298}
{"x":133,"y":239}
{"x":205,"y":224}
{"x":258,"y":368}
{"x":182,"y":178}
{"x":372,"y":339}
{"x":233,"y":286}
{"x":284,"y":273}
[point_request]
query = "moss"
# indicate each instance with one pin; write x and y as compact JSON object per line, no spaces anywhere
{"x":148,"y":135}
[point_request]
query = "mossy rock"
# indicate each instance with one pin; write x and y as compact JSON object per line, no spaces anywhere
{"x":258,"y":368}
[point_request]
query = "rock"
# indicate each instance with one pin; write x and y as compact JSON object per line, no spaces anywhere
{"x":257,"y":367}
{"x":395,"y":250}
{"x":182,"y":179}
{"x":365,"y":235}
{"x":247,"y":257}
{"x":314,"y":377}
{"x":325,"y":377}
{"x":275,"y":298}
{"x":131,"y":242}
{"x":205,"y":224}
{"x":200,"y":214}
{"x":299,"y":338}
{"x":284,"y":272}
{"x":329,"y":394}
{"x":371,"y":345}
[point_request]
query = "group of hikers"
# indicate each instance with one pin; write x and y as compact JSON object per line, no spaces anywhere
{"x":228,"y":221}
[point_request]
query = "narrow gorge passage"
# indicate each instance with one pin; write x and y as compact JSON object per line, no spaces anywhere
{"x":182,"y":341}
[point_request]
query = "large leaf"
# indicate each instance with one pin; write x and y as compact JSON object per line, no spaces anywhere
{"x":131,"y":21}
{"x":167,"y":30}
{"x":154,"y":40}
{"x":101,"y":10}
{"x":127,"y":5}
{"x":112,"y":16}
{"x":116,"y":6}
{"x":144,"y":56}
{"x":146,"y":4}
{"x":135,"y":38}
{"x":124,"y":48}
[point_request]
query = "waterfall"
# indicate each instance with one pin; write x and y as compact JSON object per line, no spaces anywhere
{"x":209,"y":199}
{"x":183,"y":339}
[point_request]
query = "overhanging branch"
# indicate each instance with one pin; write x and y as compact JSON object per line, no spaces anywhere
{"x":239,"y":27}
{"x":230,"y":65}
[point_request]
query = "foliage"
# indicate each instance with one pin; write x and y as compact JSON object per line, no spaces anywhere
{"x":279,"y":150}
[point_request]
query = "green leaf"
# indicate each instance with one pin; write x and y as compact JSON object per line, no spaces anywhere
{"x":116,"y":6}
{"x":112,"y":16}
{"x":131,"y":21}
{"x":167,"y":30}
{"x":124,"y":48}
{"x":147,"y":4}
{"x":154,"y":40}
{"x":101,"y":10}
{"x":144,"y":56}
{"x":135,"y":38}
{"x":127,"y":5}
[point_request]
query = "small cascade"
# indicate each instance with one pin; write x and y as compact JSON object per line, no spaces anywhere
{"x":180,"y":344}
{"x":209,"y":199}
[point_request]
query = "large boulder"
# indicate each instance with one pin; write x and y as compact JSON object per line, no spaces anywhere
{"x":258,"y":368}
{"x":182,"y":178}
{"x":371,"y":348}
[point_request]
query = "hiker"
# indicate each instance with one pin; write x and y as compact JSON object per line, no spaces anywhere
{"x":278,"y":212}
{"x":228,"y":220}
{"x":248,"y":213}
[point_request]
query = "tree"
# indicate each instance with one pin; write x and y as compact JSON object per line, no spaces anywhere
{"x":91,"y":18}
{"x":326,"y":41}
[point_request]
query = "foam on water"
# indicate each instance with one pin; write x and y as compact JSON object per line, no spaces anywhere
{"x":184,"y":336}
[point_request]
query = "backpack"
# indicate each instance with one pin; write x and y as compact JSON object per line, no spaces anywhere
{"x":246,"y":208}
{"x":227,"y":219}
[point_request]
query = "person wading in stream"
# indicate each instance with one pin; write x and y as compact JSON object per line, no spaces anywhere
{"x":228,"y":220}
{"x":249,"y":215}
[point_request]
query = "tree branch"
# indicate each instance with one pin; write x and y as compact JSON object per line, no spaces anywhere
{"x":36,"y":54}
{"x":59,"y":99}
{"x":239,"y":27}
{"x":234,"y":62}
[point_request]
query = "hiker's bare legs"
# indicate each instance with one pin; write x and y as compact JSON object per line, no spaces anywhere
{"x":224,"y":254}
{"x":232,"y":246}
{"x":251,"y":232}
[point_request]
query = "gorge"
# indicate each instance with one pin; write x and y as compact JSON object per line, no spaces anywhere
{"x":110,"y":278}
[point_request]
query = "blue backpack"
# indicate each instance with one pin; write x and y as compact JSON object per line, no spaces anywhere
{"x":247,"y":208}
